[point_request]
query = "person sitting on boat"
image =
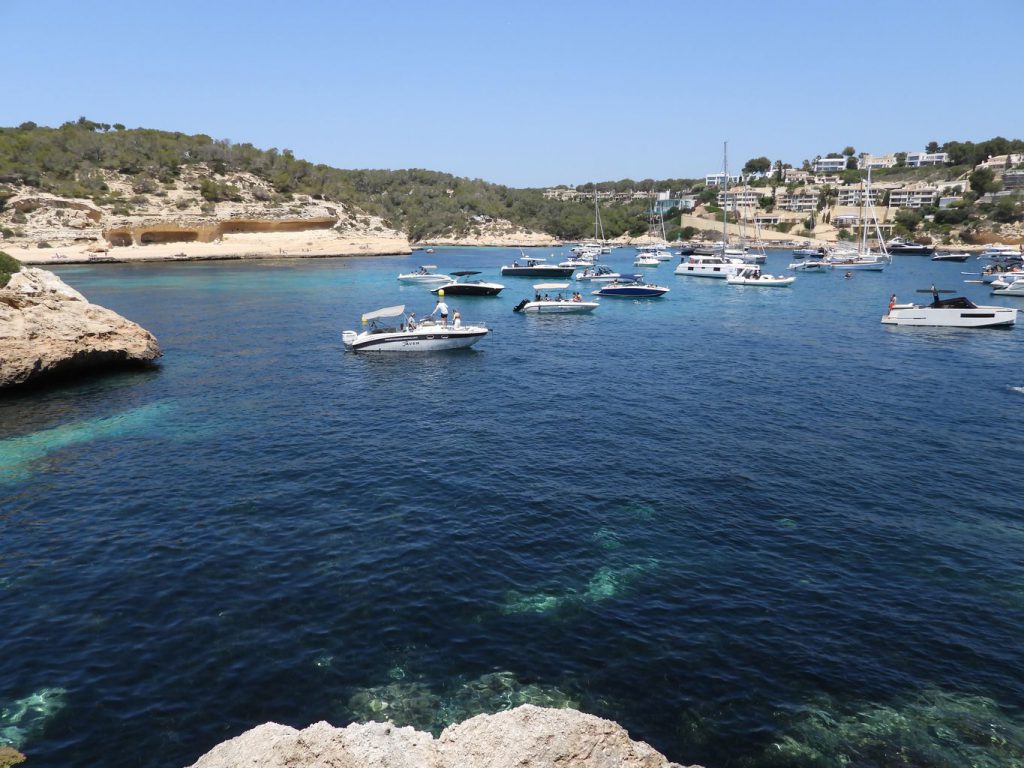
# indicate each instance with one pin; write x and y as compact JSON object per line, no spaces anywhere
{"x":456,"y":319}
{"x":411,"y":322}
{"x":442,"y":309}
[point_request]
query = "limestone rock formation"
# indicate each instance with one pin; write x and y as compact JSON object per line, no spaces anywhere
{"x":524,"y":737}
{"x":173,"y":220}
{"x":48,"y":328}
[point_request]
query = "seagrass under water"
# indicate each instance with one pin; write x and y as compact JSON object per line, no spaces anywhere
{"x":755,"y":527}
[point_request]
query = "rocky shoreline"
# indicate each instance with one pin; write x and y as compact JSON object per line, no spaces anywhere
{"x":49,"y":330}
{"x":524,"y":737}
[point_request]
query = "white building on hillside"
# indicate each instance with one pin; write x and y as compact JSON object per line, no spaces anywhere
{"x":800,"y":202}
{"x":738,"y":198}
{"x":719,"y":180}
{"x":874,"y":162}
{"x":853,"y":195}
{"x":830,"y":164}
{"x":921,"y":159}
{"x":913,"y":197}
{"x":790,"y":175}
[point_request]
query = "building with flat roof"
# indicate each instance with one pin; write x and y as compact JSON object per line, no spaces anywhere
{"x":874,"y":162}
{"x":913,"y":197}
{"x":800,"y":202}
{"x":719,"y":180}
{"x":921,"y":159}
{"x":830,"y":164}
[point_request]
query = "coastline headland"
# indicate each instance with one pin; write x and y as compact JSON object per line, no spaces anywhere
{"x":525,"y":736}
{"x":49,"y":330}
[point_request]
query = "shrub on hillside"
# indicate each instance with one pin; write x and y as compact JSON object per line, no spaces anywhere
{"x":8,"y":266}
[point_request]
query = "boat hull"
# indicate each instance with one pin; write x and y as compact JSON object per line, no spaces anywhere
{"x":470,"y":289}
{"x":537,"y":271}
{"x":436,"y":339}
{"x":783,"y":282}
{"x":976,"y":317}
{"x":559,"y":307}
{"x":631,"y":292}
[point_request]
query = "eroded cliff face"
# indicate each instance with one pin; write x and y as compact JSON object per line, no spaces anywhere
{"x":524,"y":737}
{"x":38,"y":226}
{"x":48,"y":329}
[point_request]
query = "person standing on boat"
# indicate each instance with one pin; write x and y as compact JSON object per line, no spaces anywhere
{"x":441,"y":309}
{"x":892,"y":302}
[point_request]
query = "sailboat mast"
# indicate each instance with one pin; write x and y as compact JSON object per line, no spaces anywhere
{"x":725,"y":187}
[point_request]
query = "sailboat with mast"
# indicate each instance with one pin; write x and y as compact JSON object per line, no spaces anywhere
{"x":592,"y":249}
{"x":721,"y":264}
{"x":863,"y":257}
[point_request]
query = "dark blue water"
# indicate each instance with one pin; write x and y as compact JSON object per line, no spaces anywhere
{"x":755,"y":526}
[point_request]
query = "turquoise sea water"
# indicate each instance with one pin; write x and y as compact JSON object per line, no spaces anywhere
{"x":756,"y":527}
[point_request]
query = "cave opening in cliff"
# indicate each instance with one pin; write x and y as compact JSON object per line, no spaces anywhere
{"x":183,"y":236}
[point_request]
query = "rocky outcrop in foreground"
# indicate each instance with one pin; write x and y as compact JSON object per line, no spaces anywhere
{"x":48,"y":329}
{"x":524,"y":737}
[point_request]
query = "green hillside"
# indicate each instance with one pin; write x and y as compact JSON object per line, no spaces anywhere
{"x":68,"y":161}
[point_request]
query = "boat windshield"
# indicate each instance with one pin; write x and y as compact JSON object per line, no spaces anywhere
{"x":957,"y":302}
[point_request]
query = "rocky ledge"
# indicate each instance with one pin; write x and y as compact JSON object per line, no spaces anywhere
{"x":48,"y":329}
{"x":524,"y":737}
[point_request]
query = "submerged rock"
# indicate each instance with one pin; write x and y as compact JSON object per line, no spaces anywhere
{"x":24,"y":719}
{"x":10,"y":756}
{"x":525,"y":736}
{"x":47,"y":329}
{"x":935,"y":729}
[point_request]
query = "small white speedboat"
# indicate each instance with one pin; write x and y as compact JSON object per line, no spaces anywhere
{"x":545,"y":304}
{"x":409,"y":336}
{"x":643,"y":260}
{"x":957,"y":312}
{"x":754,"y":276}
{"x":601,"y":274}
{"x":424,"y":274}
{"x":812,"y":265}
{"x":1010,"y":288}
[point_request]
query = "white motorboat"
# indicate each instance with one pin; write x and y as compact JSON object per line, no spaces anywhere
{"x":899,"y":245}
{"x":581,"y":261}
{"x":1008,"y":288}
{"x":961,"y":257}
{"x":632,"y":289}
{"x":424,"y":274}
{"x":812,"y":265}
{"x":543,"y":303}
{"x":602,"y":274}
{"x":753,"y":276}
{"x":459,"y":287}
{"x":957,"y":312}
{"x":535,"y":267}
{"x":409,"y":336}
{"x":659,"y":251}
{"x":644,"y":260}
{"x":709,"y":266}
{"x":1000,"y":251}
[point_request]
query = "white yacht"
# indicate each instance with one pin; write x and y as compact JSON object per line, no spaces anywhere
{"x":957,"y":312}
{"x":710,"y":266}
{"x":424,"y":274}
{"x":559,"y":305}
{"x":646,"y":260}
{"x":602,"y":274}
{"x":409,"y":336}
{"x":1008,"y":288}
{"x":753,"y":276}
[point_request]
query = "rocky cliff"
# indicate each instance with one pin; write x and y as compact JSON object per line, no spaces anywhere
{"x":524,"y":737}
{"x":48,"y":329}
{"x":179,"y":220}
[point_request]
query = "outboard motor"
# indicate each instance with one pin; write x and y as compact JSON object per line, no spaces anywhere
{"x":519,"y":307}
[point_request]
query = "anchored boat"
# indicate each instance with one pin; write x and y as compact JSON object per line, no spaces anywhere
{"x":409,"y":335}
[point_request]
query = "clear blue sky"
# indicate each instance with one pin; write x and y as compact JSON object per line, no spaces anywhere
{"x":526,"y":93}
